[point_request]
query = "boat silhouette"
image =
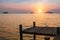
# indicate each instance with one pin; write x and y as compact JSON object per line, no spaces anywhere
{"x":5,"y":12}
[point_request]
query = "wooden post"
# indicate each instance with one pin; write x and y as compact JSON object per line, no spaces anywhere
{"x":58,"y":31}
{"x":57,"y":37}
{"x":34,"y":36}
{"x":34,"y":24}
{"x":47,"y":38}
{"x":21,"y":33}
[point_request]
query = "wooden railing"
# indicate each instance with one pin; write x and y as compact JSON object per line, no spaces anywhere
{"x":34,"y":33}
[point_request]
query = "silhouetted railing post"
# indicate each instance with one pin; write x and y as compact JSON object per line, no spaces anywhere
{"x":34,"y":36}
{"x":21,"y":33}
{"x":58,"y":31}
{"x":47,"y":38}
{"x":34,"y":24}
{"x":57,"y":37}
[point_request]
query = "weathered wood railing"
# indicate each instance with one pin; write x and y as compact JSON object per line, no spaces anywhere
{"x":34,"y":33}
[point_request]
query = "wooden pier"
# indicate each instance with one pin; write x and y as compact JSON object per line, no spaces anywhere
{"x":46,"y":31}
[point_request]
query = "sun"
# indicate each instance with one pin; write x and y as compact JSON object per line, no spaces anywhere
{"x":39,"y":11}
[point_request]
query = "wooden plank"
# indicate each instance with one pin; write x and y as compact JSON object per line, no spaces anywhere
{"x":49,"y":31}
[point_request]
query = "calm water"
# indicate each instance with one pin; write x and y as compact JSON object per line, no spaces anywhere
{"x":9,"y":23}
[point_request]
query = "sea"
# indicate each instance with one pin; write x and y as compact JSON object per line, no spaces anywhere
{"x":9,"y":24}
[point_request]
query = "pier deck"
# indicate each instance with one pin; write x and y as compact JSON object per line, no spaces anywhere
{"x":47,"y":31}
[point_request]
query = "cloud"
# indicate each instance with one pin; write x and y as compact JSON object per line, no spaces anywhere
{"x":27,"y":4}
{"x":52,"y":1}
{"x":8,"y":0}
{"x":18,"y":1}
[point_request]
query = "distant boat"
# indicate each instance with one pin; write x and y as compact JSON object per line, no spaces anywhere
{"x":31,"y":12}
{"x":48,"y":12}
{"x":5,"y":12}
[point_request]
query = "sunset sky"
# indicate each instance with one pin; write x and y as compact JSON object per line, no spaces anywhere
{"x":28,"y":5}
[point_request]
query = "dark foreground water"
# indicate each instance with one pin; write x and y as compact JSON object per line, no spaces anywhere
{"x":9,"y":24}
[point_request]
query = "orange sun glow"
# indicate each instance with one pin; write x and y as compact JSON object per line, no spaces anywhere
{"x":39,"y":10}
